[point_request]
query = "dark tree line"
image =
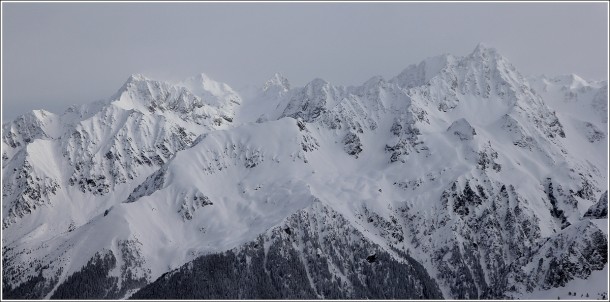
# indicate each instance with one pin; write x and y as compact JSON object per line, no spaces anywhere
{"x":287,"y":273}
{"x":92,"y":281}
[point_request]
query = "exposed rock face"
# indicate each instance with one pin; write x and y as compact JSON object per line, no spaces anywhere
{"x":458,"y":178}
{"x":353,"y":146}
{"x":462,"y":129}
{"x":600,"y":209}
{"x":104,"y":145}
{"x":320,"y":256}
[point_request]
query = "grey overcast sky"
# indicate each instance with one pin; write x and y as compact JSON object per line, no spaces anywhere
{"x":58,"y":54}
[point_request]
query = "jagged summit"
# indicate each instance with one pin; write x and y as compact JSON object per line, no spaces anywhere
{"x":416,"y":75}
{"x":317,"y":83}
{"x":41,"y":113}
{"x":458,"y":178}
{"x":203,"y":81}
{"x":211,"y":91}
{"x":483,"y":49}
{"x":201,"y":77}
{"x":277,"y":82}
{"x":374,"y":81}
{"x":571,"y":81}
{"x":137,"y":77}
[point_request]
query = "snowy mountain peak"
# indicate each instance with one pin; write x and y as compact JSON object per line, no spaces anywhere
{"x":204,"y":81}
{"x":146,"y":95}
{"x":276,"y":84}
{"x":374,"y":81}
{"x":416,"y":75}
{"x":317,"y":83}
{"x":484,"y":50}
{"x":41,"y":113}
{"x":483,"y":47}
{"x":202,"y":77}
{"x":458,"y":175}
{"x":210,"y":90}
{"x":490,"y":58}
{"x":36,"y":116}
{"x":570,"y":81}
{"x":136,"y":77}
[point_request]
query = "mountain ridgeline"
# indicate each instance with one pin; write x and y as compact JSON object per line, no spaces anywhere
{"x":459,"y":178}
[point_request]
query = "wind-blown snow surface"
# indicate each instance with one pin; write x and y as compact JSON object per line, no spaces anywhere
{"x":458,"y":177}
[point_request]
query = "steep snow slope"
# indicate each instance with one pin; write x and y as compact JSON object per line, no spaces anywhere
{"x":100,"y":146}
{"x":583,"y":109}
{"x":314,"y":253}
{"x":458,"y":165}
{"x":61,"y":172}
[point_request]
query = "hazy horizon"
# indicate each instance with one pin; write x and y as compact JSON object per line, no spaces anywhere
{"x":58,"y":54}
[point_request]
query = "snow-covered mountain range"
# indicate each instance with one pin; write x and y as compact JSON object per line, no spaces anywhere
{"x":457,"y":178}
